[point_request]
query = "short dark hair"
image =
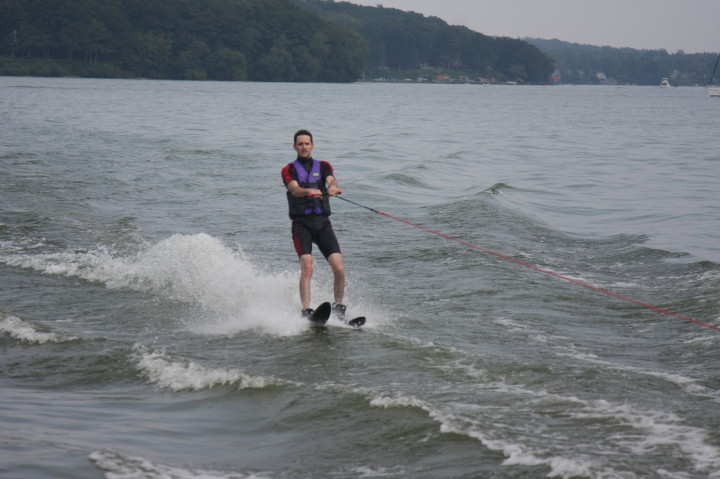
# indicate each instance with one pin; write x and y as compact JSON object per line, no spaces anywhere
{"x":302,"y":133}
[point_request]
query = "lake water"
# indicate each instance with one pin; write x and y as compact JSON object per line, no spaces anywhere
{"x":149,"y":322}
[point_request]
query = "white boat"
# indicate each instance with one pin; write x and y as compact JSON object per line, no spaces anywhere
{"x":665,"y":83}
{"x":713,"y":90}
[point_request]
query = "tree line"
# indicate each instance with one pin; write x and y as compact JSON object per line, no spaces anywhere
{"x":302,"y":41}
{"x":581,"y":64}
{"x":261,"y":40}
{"x":401,"y":41}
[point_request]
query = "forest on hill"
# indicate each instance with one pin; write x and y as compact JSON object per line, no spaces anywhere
{"x":263,"y":40}
{"x":588,"y":64}
{"x":401,"y":41}
{"x":302,"y":41}
{"x":260,"y":40}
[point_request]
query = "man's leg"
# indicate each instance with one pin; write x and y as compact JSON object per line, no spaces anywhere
{"x":306,"y":271}
{"x":338,"y":269}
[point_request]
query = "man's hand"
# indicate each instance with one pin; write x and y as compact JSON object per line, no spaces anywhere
{"x":314,"y":193}
{"x":333,"y":190}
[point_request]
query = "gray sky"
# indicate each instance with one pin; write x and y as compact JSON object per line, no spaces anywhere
{"x":689,"y":25}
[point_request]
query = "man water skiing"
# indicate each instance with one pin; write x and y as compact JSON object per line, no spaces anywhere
{"x":309,"y":184}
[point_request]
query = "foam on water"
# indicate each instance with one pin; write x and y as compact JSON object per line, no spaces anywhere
{"x":118,"y":466}
{"x":197,"y":269}
{"x":178,"y":375}
{"x":644,"y":432}
{"x":26,"y":332}
{"x":639,"y":431}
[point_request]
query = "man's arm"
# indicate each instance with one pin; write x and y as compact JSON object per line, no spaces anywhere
{"x":292,"y":185}
{"x":299,"y":192}
{"x":332,"y":186}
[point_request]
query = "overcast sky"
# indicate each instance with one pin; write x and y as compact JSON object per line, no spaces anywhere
{"x":689,"y":25}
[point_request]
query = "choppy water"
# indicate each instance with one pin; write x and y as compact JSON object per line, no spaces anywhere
{"x":148,"y":287}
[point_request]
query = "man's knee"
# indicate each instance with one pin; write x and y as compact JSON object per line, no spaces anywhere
{"x":336,"y":263}
{"x":306,"y":265}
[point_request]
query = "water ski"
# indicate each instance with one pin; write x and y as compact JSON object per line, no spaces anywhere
{"x":321,"y":314}
{"x":339,"y":313}
{"x":357,"y":322}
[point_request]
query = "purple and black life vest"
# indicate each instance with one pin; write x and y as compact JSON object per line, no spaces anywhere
{"x":309,"y":179}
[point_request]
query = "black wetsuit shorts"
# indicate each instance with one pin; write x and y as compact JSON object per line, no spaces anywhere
{"x":317,"y":229}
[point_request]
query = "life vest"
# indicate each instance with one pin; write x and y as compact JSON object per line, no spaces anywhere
{"x":309,"y":179}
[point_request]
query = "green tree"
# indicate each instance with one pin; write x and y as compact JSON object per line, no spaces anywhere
{"x":518,"y":72}
{"x":278,"y":64}
{"x":96,"y":40}
{"x":154,"y":55}
{"x":191,"y":62}
{"x":228,"y":65}
{"x":32,"y":41}
{"x":306,"y":65}
{"x":345,"y":61}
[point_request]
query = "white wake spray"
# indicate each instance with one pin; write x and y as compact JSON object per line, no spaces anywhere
{"x":196,"y":269}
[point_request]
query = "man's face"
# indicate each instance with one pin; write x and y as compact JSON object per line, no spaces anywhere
{"x":303,"y":146}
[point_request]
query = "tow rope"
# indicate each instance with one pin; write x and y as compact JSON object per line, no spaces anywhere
{"x":526,"y":265}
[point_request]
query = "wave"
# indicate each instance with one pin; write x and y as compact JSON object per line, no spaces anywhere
{"x":197,"y":269}
{"x":175,"y":267}
{"x":177,"y":375}
{"x":689,"y":385}
{"x":641,"y":432}
{"x":629,"y":431}
{"x":404,"y":180}
{"x":495,"y":189}
{"x":461,"y":424}
{"x":118,"y":466}
{"x":28,"y":333}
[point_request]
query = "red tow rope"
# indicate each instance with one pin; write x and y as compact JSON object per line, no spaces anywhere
{"x":526,"y":265}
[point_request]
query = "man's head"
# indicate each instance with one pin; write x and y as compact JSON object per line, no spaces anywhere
{"x":303,"y":143}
